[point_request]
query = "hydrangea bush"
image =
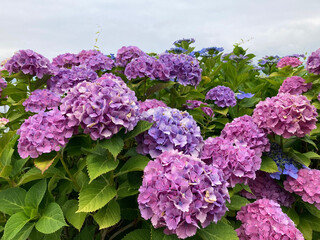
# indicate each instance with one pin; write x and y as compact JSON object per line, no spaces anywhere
{"x":186,"y":143}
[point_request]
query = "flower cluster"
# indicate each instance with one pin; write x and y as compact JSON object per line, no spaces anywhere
{"x":268,"y":60}
{"x":243,"y":130}
{"x":146,"y":66}
{"x":95,"y":60}
{"x":286,"y":115}
{"x":66,"y":60}
{"x":182,"y":68}
{"x":187,"y":40}
{"x":210,"y":51}
{"x":3,"y":85}
{"x":179,"y":191}
{"x":313,"y":62}
{"x":150,"y":103}
{"x":289,"y":61}
{"x":263,"y":186}
{"x":191,"y":104}
{"x":41,"y":100}
{"x":264,"y":219}
{"x":3,"y":122}
{"x":66,"y":78}
{"x":178,"y":50}
{"x":29,"y":62}
{"x":242,"y":95}
{"x":294,"y":85}
{"x":101,"y":107}
{"x":43,"y":133}
{"x":172,"y":129}
{"x":238,"y":163}
{"x":222,"y":96}
{"x":126,"y":54}
{"x":318,"y":97}
{"x":307,"y":185}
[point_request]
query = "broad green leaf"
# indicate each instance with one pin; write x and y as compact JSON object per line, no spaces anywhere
{"x":237,"y":202}
{"x":74,"y":218}
{"x":7,"y":142}
{"x":268,"y":165}
{"x":35,"y":194}
{"x":222,"y":111}
{"x":308,"y":140}
{"x":312,"y":155}
{"x":138,"y":234}
{"x":36,"y":235}
{"x":96,"y":195}
{"x":306,"y":229}
{"x":6,"y":171}
{"x":293,"y":215}
{"x":12,"y":200}
{"x":135,"y":163}
{"x":35,"y":174}
{"x":299,"y":157}
{"x":125,"y":190}
{"x":158,"y":234}
{"x":312,"y":220}
{"x":140,"y":128}
{"x":114,"y":145}
{"x":24,"y":232}
{"x":108,"y":216}
{"x":51,"y":220}
{"x":316,"y":130}
{"x":45,"y":161}
{"x":219,"y":231}
{"x":157,"y":87}
{"x":312,"y":209}
{"x":14,"y":224}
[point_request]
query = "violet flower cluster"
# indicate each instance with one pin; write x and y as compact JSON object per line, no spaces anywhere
{"x":126,"y":54}
{"x":238,"y":163}
{"x":95,"y":60}
{"x":244,"y":131}
{"x":101,"y":107}
{"x":66,"y":60}
{"x":179,"y":191}
{"x":307,"y":185}
{"x":41,"y":100}
{"x":289,"y":61}
{"x":3,"y":85}
{"x":29,"y":62}
{"x":43,"y":133}
{"x":263,"y":186}
{"x":182,"y":68}
{"x":294,"y":85}
{"x":264,"y":219}
{"x":286,"y":115}
{"x":172,"y":129}
{"x":222,"y":96}
{"x":65,"y":78}
{"x":192,"y":104}
{"x":150,"y":103}
{"x":313,"y":62}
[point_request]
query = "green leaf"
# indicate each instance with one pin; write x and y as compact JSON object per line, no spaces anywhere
{"x":114,"y":145}
{"x":74,"y":218}
{"x":157,"y":87}
{"x":7,"y":142}
{"x":222,"y":111}
{"x":219,"y":231}
{"x":135,"y":163}
{"x":268,"y":165}
{"x":98,"y":162}
{"x":108,"y":215}
{"x":312,"y":155}
{"x":299,"y":157}
{"x":12,"y":200}
{"x":312,"y":209}
{"x":237,"y":202}
{"x":96,"y":195}
{"x":45,"y":161}
{"x":125,"y":190}
{"x":24,"y":232}
{"x":293,"y":215}
{"x":14,"y":224}
{"x":157,"y":234}
{"x":35,"y":174}
{"x":140,"y":128}
{"x":138,"y":234}
{"x":51,"y":220}
{"x":306,"y":229}
{"x":312,"y":220}
{"x":316,"y":130}
{"x":35,"y":194}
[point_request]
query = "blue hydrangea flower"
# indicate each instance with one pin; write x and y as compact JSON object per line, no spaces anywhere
{"x":243,"y":95}
{"x":291,"y":170}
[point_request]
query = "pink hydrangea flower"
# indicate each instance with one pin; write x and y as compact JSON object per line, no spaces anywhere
{"x":150,"y":103}
{"x":294,"y":85}
{"x":126,"y":54}
{"x":289,"y":61}
{"x":313,"y":62}
{"x":3,"y":122}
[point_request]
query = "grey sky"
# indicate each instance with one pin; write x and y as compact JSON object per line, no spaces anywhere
{"x":52,"y":27}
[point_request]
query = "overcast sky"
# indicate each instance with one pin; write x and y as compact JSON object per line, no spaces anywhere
{"x":52,"y":27}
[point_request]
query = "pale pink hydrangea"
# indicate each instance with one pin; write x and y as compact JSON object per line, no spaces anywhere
{"x":3,"y":122}
{"x":289,"y":61}
{"x":294,"y":85}
{"x":150,"y":103}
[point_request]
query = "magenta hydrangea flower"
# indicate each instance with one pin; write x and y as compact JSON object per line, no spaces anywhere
{"x":3,"y":85}
{"x":238,"y":163}
{"x":307,"y":185}
{"x":150,"y":103}
{"x":126,"y":54}
{"x":294,"y":85}
{"x":289,"y":61}
{"x":192,"y":104}
{"x":172,"y":129}
{"x":43,"y":133}
{"x":29,"y":62}
{"x":101,"y":107}
{"x":243,"y":130}
{"x":41,"y":100}
{"x":222,"y":96}
{"x":179,"y":191}
{"x":263,"y":186}
{"x":264,"y":219}
{"x":182,"y":68}
{"x":3,"y":122}
{"x":95,"y":60}
{"x":286,"y":115}
{"x":313,"y":62}
{"x":66,"y":60}
{"x":66,"y":78}
{"x":318,"y":97}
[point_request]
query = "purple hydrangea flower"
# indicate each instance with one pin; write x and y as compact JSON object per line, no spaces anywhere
{"x":238,"y":163}
{"x":179,"y":191}
{"x":286,"y":115}
{"x":178,"y":50}
{"x":95,"y":60}
{"x":268,"y":60}
{"x":222,"y":96}
{"x":289,"y":61}
{"x":43,"y":133}
{"x":243,"y":95}
{"x":172,"y":129}
{"x":263,"y":186}
{"x":313,"y":62}
{"x":191,"y":104}
{"x":126,"y":54}
{"x":210,"y":51}
{"x":294,"y":85}
{"x":307,"y":185}
{"x":66,"y":60}
{"x":65,"y":78}
{"x":264,"y":219}
{"x":243,"y":130}
{"x":29,"y":62}
{"x":150,"y":103}
{"x":41,"y":100}
{"x":182,"y":68}
{"x":3,"y":85}
{"x":318,"y":97}
{"x":101,"y":107}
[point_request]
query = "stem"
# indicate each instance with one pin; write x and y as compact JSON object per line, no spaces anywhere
{"x":123,"y":229}
{"x":281,"y":142}
{"x":69,"y":173}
